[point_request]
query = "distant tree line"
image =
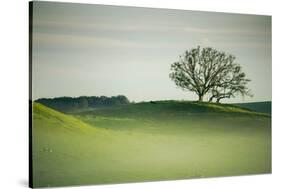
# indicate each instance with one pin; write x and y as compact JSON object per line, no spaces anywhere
{"x":68,"y":104}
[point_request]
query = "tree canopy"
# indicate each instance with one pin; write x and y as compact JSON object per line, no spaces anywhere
{"x":209,"y":71}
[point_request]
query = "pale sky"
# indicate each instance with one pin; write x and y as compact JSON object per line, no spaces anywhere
{"x":94,"y":50}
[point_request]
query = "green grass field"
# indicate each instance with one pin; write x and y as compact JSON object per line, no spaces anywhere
{"x":146,"y":141}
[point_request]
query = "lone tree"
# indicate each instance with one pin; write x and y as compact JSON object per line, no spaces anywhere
{"x":233,"y":83}
{"x":209,"y":71}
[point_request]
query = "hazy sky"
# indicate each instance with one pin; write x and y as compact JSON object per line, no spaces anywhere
{"x":95,"y":50}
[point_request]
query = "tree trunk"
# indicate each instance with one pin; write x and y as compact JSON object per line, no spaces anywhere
{"x":218,"y":100}
{"x":211,"y":99}
{"x":200,"y":98}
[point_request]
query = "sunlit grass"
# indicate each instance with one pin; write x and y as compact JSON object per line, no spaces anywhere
{"x":143,"y":142}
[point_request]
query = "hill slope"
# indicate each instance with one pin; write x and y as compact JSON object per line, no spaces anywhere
{"x":52,"y":119}
{"x":56,"y":141}
{"x":264,"y":107}
{"x":167,"y":109}
{"x":148,"y":141}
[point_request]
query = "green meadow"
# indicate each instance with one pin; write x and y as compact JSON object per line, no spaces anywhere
{"x":148,"y":141}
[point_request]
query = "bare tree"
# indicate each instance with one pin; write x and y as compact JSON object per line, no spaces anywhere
{"x":208,"y":70}
{"x":234,"y":82}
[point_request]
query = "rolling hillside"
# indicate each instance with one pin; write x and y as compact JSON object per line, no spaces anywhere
{"x":158,"y":108}
{"x":52,"y":119}
{"x":56,"y":142}
{"x":148,"y":141}
{"x":264,"y":107}
{"x":84,"y":103}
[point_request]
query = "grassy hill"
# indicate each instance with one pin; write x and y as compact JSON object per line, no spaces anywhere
{"x":158,"y":108}
{"x":264,"y":107}
{"x":56,"y":143}
{"x":148,"y":141}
